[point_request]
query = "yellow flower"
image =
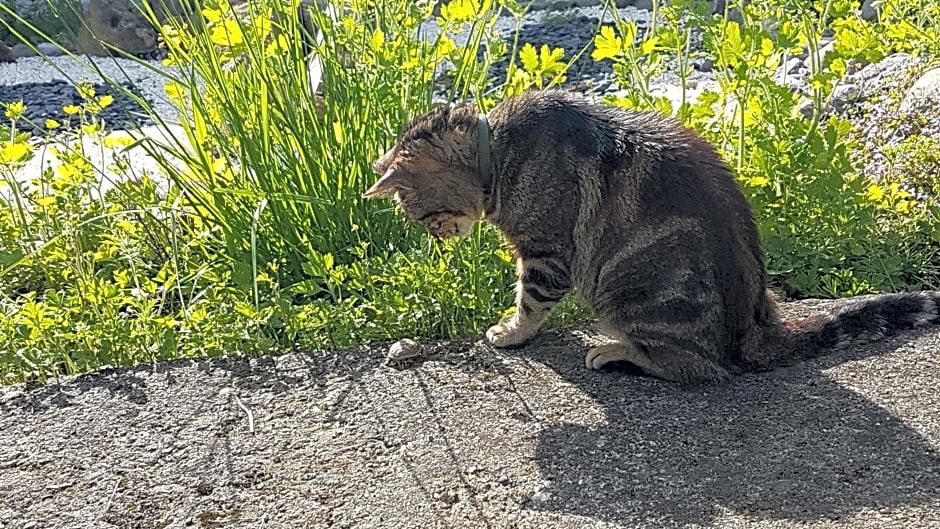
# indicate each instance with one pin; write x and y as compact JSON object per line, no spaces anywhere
{"x":71,"y":109}
{"x":85,"y":90}
{"x":52,"y":124}
{"x":14,"y":152}
{"x":15,"y":110}
{"x":45,"y":201}
{"x":113,"y":142}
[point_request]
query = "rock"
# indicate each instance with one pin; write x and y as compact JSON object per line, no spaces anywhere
{"x":843,"y":95}
{"x":639,"y":4}
{"x":6,"y":54}
{"x":541,"y":496}
{"x":825,"y":49}
{"x":58,"y":19}
{"x":404,"y":349}
{"x":793,"y":65}
{"x":116,"y":23}
{"x":924,"y":94}
{"x":868,"y":11}
{"x":891,"y":73}
{"x":807,"y":108}
{"x":796,"y":83}
{"x":48,"y":49}
{"x":22,"y":50}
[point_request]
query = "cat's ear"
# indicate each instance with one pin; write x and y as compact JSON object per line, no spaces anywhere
{"x":393,"y":180}
{"x":381,"y":165}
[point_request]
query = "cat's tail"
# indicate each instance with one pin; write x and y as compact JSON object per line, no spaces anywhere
{"x":865,"y":320}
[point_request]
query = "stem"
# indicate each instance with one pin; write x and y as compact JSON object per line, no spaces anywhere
{"x":741,"y":134}
{"x":655,"y":18}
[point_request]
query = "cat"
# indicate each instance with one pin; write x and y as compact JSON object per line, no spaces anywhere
{"x":638,"y":214}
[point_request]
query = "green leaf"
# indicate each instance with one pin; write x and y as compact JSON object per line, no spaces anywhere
{"x":606,"y":45}
{"x":732,"y":46}
{"x":766,"y":47}
{"x":758,"y":181}
{"x":458,"y":11}
{"x":556,"y":55}
{"x":377,"y":42}
{"x":9,"y":258}
{"x":14,"y":152}
{"x":649,"y":45}
{"x":228,"y":33}
{"x":529,"y":58}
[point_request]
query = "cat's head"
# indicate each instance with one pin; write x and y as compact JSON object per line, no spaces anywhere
{"x":431,"y":172}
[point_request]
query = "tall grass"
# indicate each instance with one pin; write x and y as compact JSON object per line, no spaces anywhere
{"x":263,"y":241}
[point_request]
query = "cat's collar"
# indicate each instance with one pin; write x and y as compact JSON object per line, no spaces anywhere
{"x":484,"y":151}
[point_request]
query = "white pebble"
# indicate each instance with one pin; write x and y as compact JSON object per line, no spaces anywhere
{"x":404,"y":349}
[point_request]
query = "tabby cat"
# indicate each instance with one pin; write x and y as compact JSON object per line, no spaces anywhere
{"x":636,"y":212}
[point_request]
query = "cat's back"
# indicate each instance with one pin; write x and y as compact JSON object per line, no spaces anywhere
{"x":621,"y":164}
{"x":537,"y":119}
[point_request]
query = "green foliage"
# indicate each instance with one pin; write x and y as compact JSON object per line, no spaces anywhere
{"x":262,"y":242}
{"x":915,"y":161}
{"x":911,"y":26}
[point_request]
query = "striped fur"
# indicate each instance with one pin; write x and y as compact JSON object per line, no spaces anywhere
{"x":636,"y":213}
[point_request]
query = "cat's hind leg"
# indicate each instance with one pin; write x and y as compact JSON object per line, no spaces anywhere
{"x":664,"y":361}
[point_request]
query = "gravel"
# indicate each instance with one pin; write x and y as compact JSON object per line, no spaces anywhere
{"x":471,"y":437}
{"x":46,"y":100}
{"x":572,"y":29}
{"x":43,"y":85}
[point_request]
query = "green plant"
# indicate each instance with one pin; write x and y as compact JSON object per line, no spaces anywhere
{"x":94,"y":278}
{"x":263,"y":241}
{"x":910,"y":26}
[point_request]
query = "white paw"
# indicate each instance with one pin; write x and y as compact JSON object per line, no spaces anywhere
{"x":602,"y":355}
{"x":508,"y":333}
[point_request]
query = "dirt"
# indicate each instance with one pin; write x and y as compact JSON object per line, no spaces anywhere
{"x":468,"y":436}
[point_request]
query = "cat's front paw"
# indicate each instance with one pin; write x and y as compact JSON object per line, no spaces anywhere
{"x":509,"y":332}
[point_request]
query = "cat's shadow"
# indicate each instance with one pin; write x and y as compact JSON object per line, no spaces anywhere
{"x":786,"y":444}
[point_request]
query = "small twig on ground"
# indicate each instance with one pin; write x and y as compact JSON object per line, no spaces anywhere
{"x":107,"y":506}
{"x":251,"y":417}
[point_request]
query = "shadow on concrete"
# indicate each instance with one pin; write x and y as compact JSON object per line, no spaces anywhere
{"x":786,"y":444}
